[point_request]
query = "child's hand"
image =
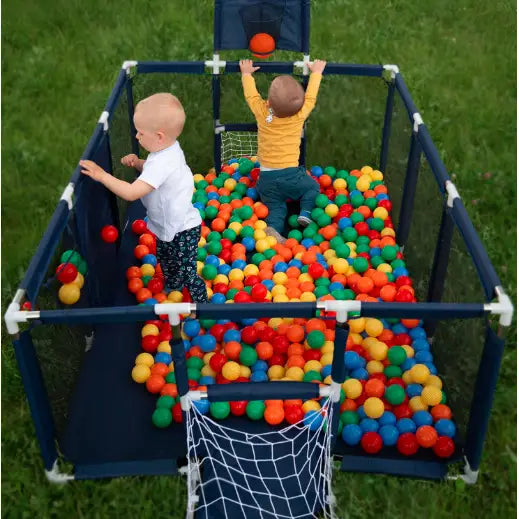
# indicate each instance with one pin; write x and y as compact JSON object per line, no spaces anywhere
{"x":317,"y":66}
{"x":247,"y":67}
{"x":92,"y":170}
{"x":130,"y":160}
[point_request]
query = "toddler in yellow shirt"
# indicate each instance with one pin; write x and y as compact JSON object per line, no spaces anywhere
{"x":280,"y":122}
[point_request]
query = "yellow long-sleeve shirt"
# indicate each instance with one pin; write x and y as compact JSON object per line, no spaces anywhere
{"x":279,"y":139}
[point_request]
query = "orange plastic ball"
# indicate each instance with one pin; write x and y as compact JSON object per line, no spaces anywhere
{"x":274,"y":414}
{"x":426,"y":436}
{"x":262,"y":45}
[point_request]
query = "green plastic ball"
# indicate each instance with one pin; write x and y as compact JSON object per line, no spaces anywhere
{"x":389,"y":252}
{"x":229,"y":234}
{"x":349,"y":294}
{"x":357,"y":200}
{"x":161,"y":417}
{"x":245,"y":167}
{"x":145,"y":280}
{"x":248,"y":356}
{"x":356,"y":218}
{"x":349,"y":417}
{"x":342,"y":173}
{"x":392,"y":371}
{"x":320,"y":291}
{"x":360,"y":265}
{"x":165,"y":402}
{"x":324,"y":220}
{"x":292,"y":221}
{"x":316,"y":212}
{"x":193,"y":374}
{"x":322,"y":282}
{"x":340,"y":200}
{"x":330,"y":171}
{"x":296,"y":235}
{"x":396,"y":355}
{"x":376,"y":224}
{"x":318,"y":238}
{"x":376,"y":261}
{"x":82,"y":267}
{"x":214,"y":236}
{"x":395,"y":394}
{"x":312,"y":375}
{"x":231,"y":293}
{"x":363,"y":240}
{"x":255,"y":409}
{"x":245,"y":212}
{"x":257,"y":258}
{"x":321,"y":200}
{"x":349,"y":234}
{"x":315,"y":339}
{"x":207,"y":323}
{"x":343,"y":251}
{"x":170,"y":378}
{"x":195,"y":363}
{"x":269,"y":253}
{"x":246,"y":231}
{"x":220,"y":410}
{"x":371,"y":203}
{"x":213,"y":247}
{"x":210,"y":212}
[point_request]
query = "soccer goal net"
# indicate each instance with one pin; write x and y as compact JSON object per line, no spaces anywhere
{"x":238,"y":144}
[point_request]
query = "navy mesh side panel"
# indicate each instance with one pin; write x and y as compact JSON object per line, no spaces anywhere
{"x":96,"y":207}
{"x":284,"y":17}
{"x":37,"y":397}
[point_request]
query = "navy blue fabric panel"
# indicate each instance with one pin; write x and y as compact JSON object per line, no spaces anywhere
{"x":96,"y":207}
{"x":433,"y":157}
{"x":406,"y":97}
{"x":253,"y":468}
{"x":350,"y":69}
{"x":165,"y":467}
{"x":91,"y":149}
{"x":261,"y":391}
{"x":34,"y":386}
{"x":103,"y":315}
{"x":231,"y":32}
{"x":115,"y":94}
{"x":37,"y":270}
{"x":400,"y":467}
{"x":487,"y":274}
{"x":133,"y":131}
{"x":248,"y":310}
{"x":484,"y":391}
{"x":266,"y":67}
{"x":184,"y":67}
{"x":423,"y":310}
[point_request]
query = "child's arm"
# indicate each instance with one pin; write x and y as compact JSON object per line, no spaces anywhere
{"x":250,"y":92}
{"x":125,"y":190}
{"x":132,"y":161}
{"x":316,"y":69}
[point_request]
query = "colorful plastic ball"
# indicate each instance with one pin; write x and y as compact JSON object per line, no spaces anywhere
{"x":406,"y":425}
{"x":231,"y":370}
{"x":419,"y":373}
{"x":202,"y":406}
{"x":71,"y":256}
{"x":207,"y":343}
{"x":389,"y":434}
{"x":255,"y":409}
{"x":444,"y":447}
{"x":139,"y":226}
{"x":445,"y":427}
{"x":313,"y":420}
{"x":274,"y":414}
{"x":162,"y":417}
{"x":140,"y":373}
{"x":431,"y":395}
{"x":374,"y":407}
{"x":69,"y":293}
{"x":426,"y":436}
{"x":315,"y":339}
{"x":351,"y":434}
{"x":422,"y":418}
{"x":209,"y":272}
{"x":395,"y":394}
{"x":219,"y":410}
{"x":407,"y":444}
{"x":371,"y":442}
{"x":66,"y":272}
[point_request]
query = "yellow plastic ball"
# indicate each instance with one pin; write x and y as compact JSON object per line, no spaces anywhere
{"x":295,"y":373}
{"x":281,"y":298}
{"x":199,"y":267}
{"x":326,"y":358}
{"x":259,"y":234}
{"x":260,"y":225}
{"x":209,"y":295}
{"x":278,"y":290}
{"x":305,"y":277}
{"x":417,"y":404}
{"x":276,"y":372}
{"x":80,"y":280}
{"x":274,"y":322}
{"x":149,"y":329}
{"x":378,"y":351}
{"x":147,"y":269}
{"x":140,"y":373}
{"x":145,"y":358}
{"x":381,"y":213}
{"x":69,"y":293}
{"x":251,"y":270}
{"x":376,"y":175}
{"x":230,"y":184}
{"x":236,"y":275}
{"x":363,"y":183}
{"x":374,"y":366}
{"x":197,"y":177}
{"x":431,"y":395}
{"x":235,"y":226}
{"x":235,"y":166}
{"x":308,"y":297}
{"x":311,"y":405}
{"x":327,"y":347}
{"x":339,"y":183}
{"x":207,"y":357}
{"x":279,"y":278}
{"x":331,"y":210}
{"x":352,"y":245}
{"x":271,"y":241}
{"x":202,"y":242}
{"x":356,"y":338}
{"x":434,"y":380}
{"x":245,"y":371}
{"x":288,"y":320}
{"x":327,"y":380}
{"x":374,"y":327}
{"x":330,"y":253}
{"x":368,"y":342}
{"x":366,"y":170}
{"x":420,"y":373}
{"x":374,"y":407}
{"x":175,"y":296}
{"x":409,"y":350}
{"x":207,"y":371}
{"x":352,"y":388}
{"x":385,"y":267}
{"x":221,"y":278}
{"x":406,"y":377}
{"x":313,"y":365}
{"x":231,"y":370}
{"x":357,"y":325}
{"x":164,"y":347}
{"x":340,"y":266}
{"x":387,"y":231}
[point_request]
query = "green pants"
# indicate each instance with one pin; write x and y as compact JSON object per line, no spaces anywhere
{"x":277,"y":186}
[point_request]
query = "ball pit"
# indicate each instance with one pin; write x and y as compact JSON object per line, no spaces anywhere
{"x":391,"y":398}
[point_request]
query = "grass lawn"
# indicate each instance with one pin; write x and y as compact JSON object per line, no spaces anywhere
{"x":60,"y":60}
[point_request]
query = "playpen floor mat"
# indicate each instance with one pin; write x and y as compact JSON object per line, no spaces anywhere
{"x":109,"y":422}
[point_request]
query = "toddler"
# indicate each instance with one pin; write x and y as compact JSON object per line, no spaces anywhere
{"x":280,"y":122}
{"x":165,"y":187}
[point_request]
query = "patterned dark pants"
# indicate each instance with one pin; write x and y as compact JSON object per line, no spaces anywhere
{"x":177,"y":259}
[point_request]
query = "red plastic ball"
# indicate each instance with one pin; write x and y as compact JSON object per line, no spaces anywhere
{"x":407,"y":444}
{"x":109,"y":233}
{"x":238,"y":408}
{"x":249,"y":335}
{"x":258,"y":292}
{"x":293,"y":414}
{"x":371,"y":442}
{"x":150,"y":343}
{"x":250,"y":281}
{"x":312,"y":355}
{"x":362,"y":228}
{"x":403,"y":280}
{"x":176,"y":412}
{"x":217,"y":331}
{"x":404,"y":296}
{"x":402,"y":411}
{"x":277,"y":360}
{"x":155,"y":285}
{"x":444,"y":447}
{"x":226,"y":255}
{"x":386,"y":204}
{"x":220,"y":288}
{"x":217,"y":361}
{"x":165,"y":335}
{"x":267,"y":334}
{"x":315,"y":270}
{"x":281,"y":344}
{"x":225,"y":243}
{"x":139,"y":226}
{"x":242,"y":297}
{"x":402,"y":338}
{"x":66,"y":272}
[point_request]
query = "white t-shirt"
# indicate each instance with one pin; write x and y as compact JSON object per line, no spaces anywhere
{"x":169,"y":206}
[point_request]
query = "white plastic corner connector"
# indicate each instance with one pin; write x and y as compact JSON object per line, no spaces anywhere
{"x":335,"y":391}
{"x":67,"y":195}
{"x":216,"y":64}
{"x":127,"y":65}
{"x":469,"y":476}
{"x":417,"y":118}
{"x":14,"y":315}
{"x":195,"y":396}
{"x":503,"y":307}
{"x":393,"y":69}
{"x":303,"y":64}
{"x":219,"y":129}
{"x":452,"y":193}
{"x":341,"y":308}
{"x":174,"y":311}
{"x":103,"y":119}
{"x":185,"y":402}
{"x":57,"y":477}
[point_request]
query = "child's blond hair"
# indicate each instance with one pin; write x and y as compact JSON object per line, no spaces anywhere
{"x":164,"y":112}
{"x":286,"y":96}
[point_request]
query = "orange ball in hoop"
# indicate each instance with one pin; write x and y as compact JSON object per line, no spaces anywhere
{"x":262,"y":45}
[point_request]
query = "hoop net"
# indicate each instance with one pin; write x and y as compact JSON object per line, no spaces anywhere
{"x":275,"y":474}
{"x":238,"y":144}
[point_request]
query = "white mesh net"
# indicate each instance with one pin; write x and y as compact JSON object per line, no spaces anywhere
{"x":238,"y":144}
{"x":281,"y":474}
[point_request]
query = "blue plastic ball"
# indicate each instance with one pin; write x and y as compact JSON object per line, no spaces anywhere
{"x":191,"y":327}
{"x":375,"y":251}
{"x":368,"y":424}
{"x":335,"y":286}
{"x":344,"y":222}
{"x":405,"y":425}
{"x":295,"y":263}
{"x":326,"y":370}
{"x":445,"y":427}
{"x":414,"y":390}
{"x":232,"y":336}
{"x":360,"y":411}
{"x":417,"y":333}
{"x":151,"y":301}
{"x":268,"y":283}
{"x":360,"y":373}
{"x":313,"y":419}
{"x":224,"y":269}
{"x":258,"y":376}
{"x":248,"y":322}
{"x":218,"y":298}
{"x":407,"y":364}
{"x":249,"y":243}
{"x":399,"y":328}
{"x":202,"y":405}
{"x":163,"y":357}
{"x":213,"y":196}
{"x":212,"y":260}
{"x":316,"y":171}
{"x":252,"y":193}
{"x":432,"y":368}
{"x":259,"y":365}
{"x":239,"y":264}
{"x":422,"y":418}
{"x":423,"y":356}
{"x":352,"y":360}
{"x":280,"y":266}
{"x":207,"y":343}
{"x":420,"y":345}
{"x":206,"y":380}
{"x":351,"y":434}
{"x":307,"y":243}
{"x":389,"y":435}
{"x":387,"y":418}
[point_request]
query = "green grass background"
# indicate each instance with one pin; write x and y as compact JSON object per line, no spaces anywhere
{"x":60,"y":60}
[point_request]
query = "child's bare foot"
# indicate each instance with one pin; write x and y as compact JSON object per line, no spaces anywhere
{"x":270,"y":231}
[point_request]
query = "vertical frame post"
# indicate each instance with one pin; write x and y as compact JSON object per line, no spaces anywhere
{"x":408,"y":195}
{"x":302,"y":146}
{"x":386,"y":132}
{"x":217,"y":145}
{"x":131,"y":110}
{"x":338,"y":373}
